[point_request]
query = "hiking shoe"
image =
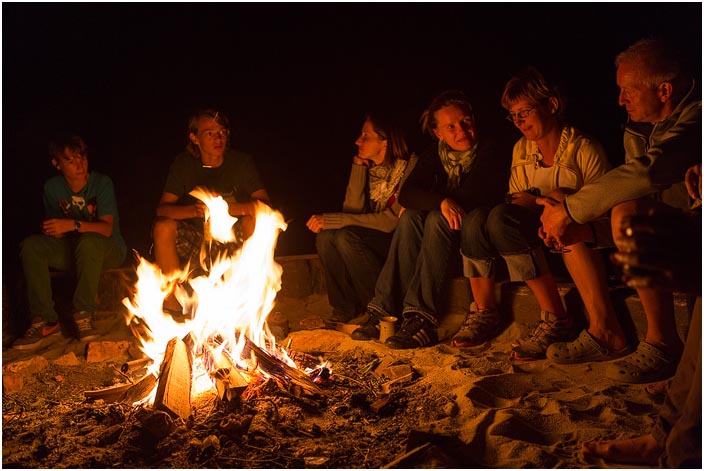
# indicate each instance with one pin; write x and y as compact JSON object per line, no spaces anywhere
{"x":367,"y":331}
{"x":477,"y":328}
{"x":84,"y":322}
{"x":416,"y":331}
{"x":36,"y":335}
{"x":550,"y":329}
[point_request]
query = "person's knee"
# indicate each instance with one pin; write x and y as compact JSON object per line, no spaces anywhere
{"x":30,"y":246}
{"x":165,"y":231}
{"x":499,"y":219}
{"x":347,"y":241}
{"x":409,"y":217}
{"x":90,"y":243}
{"x":474,"y":221}
{"x":435,"y":222}
{"x":324,"y":240}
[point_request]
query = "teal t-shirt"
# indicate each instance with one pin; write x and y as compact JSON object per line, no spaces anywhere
{"x":96,"y":199}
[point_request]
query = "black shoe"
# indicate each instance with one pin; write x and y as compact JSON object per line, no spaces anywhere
{"x":368,"y":331}
{"x":416,"y":331}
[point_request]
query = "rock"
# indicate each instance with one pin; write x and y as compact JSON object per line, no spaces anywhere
{"x":12,"y":383}
{"x":157,"y":423}
{"x":450,"y":409}
{"x":110,"y":436}
{"x":104,"y":351}
{"x":70,"y":359}
{"x":315,"y":461}
{"x":32,"y":365}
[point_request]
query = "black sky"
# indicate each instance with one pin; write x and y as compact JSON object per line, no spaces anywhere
{"x":295,"y":80}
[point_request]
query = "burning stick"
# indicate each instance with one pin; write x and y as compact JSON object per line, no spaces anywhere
{"x":281,"y":371}
{"x":134,"y":365}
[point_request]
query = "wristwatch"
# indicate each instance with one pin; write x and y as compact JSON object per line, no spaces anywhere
{"x":76,"y":225}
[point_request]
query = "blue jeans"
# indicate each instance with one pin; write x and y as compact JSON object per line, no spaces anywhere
{"x":352,"y":258}
{"x":509,"y":231}
{"x":87,"y":254}
{"x":414,"y":276}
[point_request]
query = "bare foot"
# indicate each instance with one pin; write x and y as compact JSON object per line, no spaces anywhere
{"x":658,"y":389}
{"x":638,"y":450}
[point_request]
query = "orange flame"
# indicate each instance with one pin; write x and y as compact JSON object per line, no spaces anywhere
{"x":229,"y":302}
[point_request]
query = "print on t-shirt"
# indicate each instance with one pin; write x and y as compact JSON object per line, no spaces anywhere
{"x":78,"y":208}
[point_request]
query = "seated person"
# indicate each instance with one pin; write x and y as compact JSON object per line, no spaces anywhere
{"x":353,"y":244}
{"x":652,"y":258}
{"x":206,"y":162}
{"x":80,"y":232}
{"x":552,"y":158}
{"x":462,"y":171}
{"x":662,"y":139}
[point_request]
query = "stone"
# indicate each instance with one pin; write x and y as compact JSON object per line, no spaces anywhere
{"x":12,"y":383}
{"x":103,"y":351}
{"x":32,"y":365}
{"x":69,"y":359}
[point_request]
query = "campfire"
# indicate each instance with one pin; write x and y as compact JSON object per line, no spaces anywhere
{"x":222,"y":344}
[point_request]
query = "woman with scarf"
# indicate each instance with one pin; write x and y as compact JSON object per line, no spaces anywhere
{"x":461,"y":171}
{"x":353,"y":244}
{"x":551,"y":159}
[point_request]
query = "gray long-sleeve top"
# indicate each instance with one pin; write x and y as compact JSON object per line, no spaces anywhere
{"x":653,"y":162}
{"x":356,"y":207}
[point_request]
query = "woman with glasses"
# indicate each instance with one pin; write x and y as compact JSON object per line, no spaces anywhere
{"x":353,"y":244}
{"x":551,"y":159}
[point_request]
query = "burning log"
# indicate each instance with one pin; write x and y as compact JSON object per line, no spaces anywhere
{"x":228,"y":381}
{"x":280,"y":371}
{"x":173,"y":394}
{"x":125,"y":392}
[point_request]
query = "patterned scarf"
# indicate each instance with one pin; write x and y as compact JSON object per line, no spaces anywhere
{"x":383,"y":181}
{"x":456,"y":163}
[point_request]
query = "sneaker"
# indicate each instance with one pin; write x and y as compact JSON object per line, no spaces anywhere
{"x":367,"y":331}
{"x":84,"y":322}
{"x":36,"y":335}
{"x":550,"y":329}
{"x":477,"y":328}
{"x":416,"y":331}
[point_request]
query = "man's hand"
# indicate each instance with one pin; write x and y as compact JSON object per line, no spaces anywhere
{"x":57,"y":227}
{"x":661,"y":251}
{"x":315,"y":223}
{"x":199,"y":209}
{"x":453,"y":213}
{"x":554,"y":219}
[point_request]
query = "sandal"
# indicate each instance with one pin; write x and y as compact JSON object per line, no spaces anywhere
{"x":648,"y":364}
{"x":583,"y":349}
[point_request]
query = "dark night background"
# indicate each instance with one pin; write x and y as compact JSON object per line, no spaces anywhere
{"x":295,"y":80}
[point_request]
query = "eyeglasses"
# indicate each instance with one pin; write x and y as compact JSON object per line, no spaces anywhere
{"x":223,"y":133}
{"x":523,"y":114}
